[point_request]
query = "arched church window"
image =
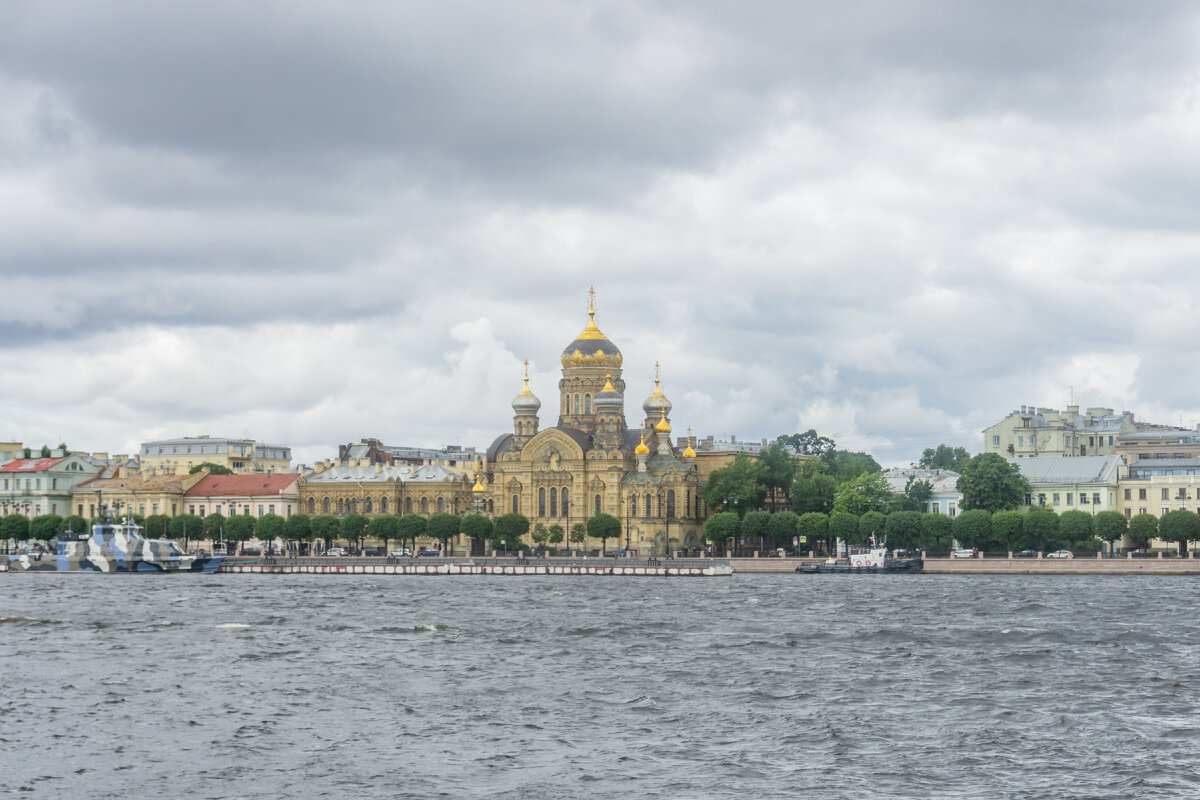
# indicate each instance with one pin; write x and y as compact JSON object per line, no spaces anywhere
{"x":325,"y":505}
{"x":597,"y":504}
{"x":554,"y":502}
{"x":354,"y":506}
{"x":408,"y":505}
{"x":367,"y":505}
{"x":341,"y":506}
{"x":383,"y":505}
{"x":491,"y":506}
{"x":670,"y":502}
{"x":516,"y":505}
{"x":424,"y":505}
{"x":576,"y":404}
{"x":587,"y":404}
{"x":312,"y":506}
{"x":633,"y":505}
{"x":566,"y":502}
{"x":541,"y":502}
{"x":648,"y":511}
{"x":441,"y":506}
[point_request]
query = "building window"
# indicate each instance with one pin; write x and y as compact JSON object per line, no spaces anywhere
{"x":995,"y":441}
{"x":542,"y":502}
{"x":1164,"y":510}
{"x":441,"y":506}
{"x":325,"y":505}
{"x":260,"y":510}
{"x":1083,"y":499}
{"x":1142,"y":496}
{"x":1128,"y":513}
{"x":383,"y":505}
{"x":1165,"y":493}
{"x":311,"y":506}
{"x":953,"y":510}
{"x":424,"y":505}
{"x":566,"y":503}
{"x":597,"y":504}
{"x":633,"y":505}
{"x":670,"y":503}
{"x":1056,"y":498}
{"x":1021,"y":441}
{"x":587,"y":404}
{"x":1110,"y":441}
{"x":1095,"y":498}
{"x":408,"y":505}
{"x":245,"y":509}
{"x":367,"y":505}
{"x":554,"y":502}
{"x":647,"y":512}
{"x":577,"y":404}
{"x":1128,"y":494}
{"x":1041,"y":499}
{"x":516,"y":505}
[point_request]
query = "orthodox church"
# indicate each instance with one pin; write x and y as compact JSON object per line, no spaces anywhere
{"x":592,"y":461}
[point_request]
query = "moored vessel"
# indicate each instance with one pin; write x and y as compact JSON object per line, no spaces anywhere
{"x":111,"y":547}
{"x":874,"y":561}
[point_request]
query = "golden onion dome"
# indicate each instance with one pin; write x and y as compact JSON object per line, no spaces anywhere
{"x":663,"y":426}
{"x":688,"y":452}
{"x":641,"y":449}
{"x":591,"y":348}
{"x":478,"y":487}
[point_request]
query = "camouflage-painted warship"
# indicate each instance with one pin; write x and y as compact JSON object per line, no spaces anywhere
{"x":112,"y":547}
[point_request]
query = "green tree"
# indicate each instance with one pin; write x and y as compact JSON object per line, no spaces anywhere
{"x":409,"y":528}
{"x":557,"y":535}
{"x":444,"y":527}
{"x":867,"y":492}
{"x":541,"y":535}
{"x":213,"y":524}
{"x":156,"y":526}
{"x":76,"y":524}
{"x":843,"y":526}
{"x":973,"y":528}
{"x":809,"y":443}
{"x":297,"y":528}
{"x":813,"y":488}
{"x":945,"y":457}
{"x":351,"y":528}
{"x":477,"y":527}
{"x":1007,"y":527}
{"x":269,"y":528}
{"x":782,"y":527}
{"x":213,"y":469}
{"x":872,"y":523}
{"x":776,"y":471}
{"x":1041,"y":528}
{"x":603,"y":527}
{"x":813,"y":527}
{"x":1075,"y":528}
{"x":510,"y":528}
{"x":1109,"y":526}
{"x":915,"y":497}
{"x":324,"y":527}
{"x":1143,"y":528}
{"x":992,"y":483}
{"x":45,"y":453}
{"x":903,"y":529}
{"x":578,"y":533}
{"x":185,"y":527}
{"x":1180,"y":526}
{"x":734,"y":487}
{"x":754,"y":526}
{"x":722,"y":528}
{"x":239,"y":528}
{"x":45,"y":527}
{"x":846,"y":464}
{"x":15,"y":527}
{"x":937,"y":532}
{"x":382,"y":528}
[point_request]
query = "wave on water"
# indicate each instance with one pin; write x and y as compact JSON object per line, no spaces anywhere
{"x":233,"y":625}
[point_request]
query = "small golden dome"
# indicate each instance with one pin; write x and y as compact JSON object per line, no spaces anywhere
{"x":688,"y":452}
{"x":608,"y":387}
{"x":641,"y":449}
{"x":663,"y":426}
{"x":478,"y":487}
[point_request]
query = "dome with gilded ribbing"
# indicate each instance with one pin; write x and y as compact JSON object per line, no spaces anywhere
{"x":657,"y":403}
{"x":591,"y":348}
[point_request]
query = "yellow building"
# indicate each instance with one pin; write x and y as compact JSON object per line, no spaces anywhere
{"x":178,"y":456}
{"x":126,"y":491}
{"x":591,"y":461}
{"x":1049,"y":433}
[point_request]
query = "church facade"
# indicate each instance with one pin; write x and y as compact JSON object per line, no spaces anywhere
{"x":593,"y":461}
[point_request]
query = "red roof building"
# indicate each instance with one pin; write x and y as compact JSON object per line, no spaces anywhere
{"x":254,"y":495}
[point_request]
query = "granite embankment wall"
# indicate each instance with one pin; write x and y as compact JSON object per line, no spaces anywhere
{"x":1009,"y":566}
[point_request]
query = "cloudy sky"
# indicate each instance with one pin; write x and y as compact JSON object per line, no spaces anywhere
{"x":311,"y":222}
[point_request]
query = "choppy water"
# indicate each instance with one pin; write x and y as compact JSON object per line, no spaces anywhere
{"x":746,"y":687}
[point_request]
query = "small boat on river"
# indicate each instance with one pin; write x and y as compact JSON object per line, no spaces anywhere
{"x":111,"y":547}
{"x":874,"y":561}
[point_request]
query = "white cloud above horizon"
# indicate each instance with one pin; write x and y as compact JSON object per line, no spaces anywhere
{"x":311,"y":226}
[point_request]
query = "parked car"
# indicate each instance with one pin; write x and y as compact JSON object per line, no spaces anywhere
{"x":373,"y":551}
{"x":336,"y":551}
{"x":963,"y":554}
{"x":402,"y":552}
{"x":432,"y":553}
{"x":1060,"y":554}
{"x":1026,"y":554}
{"x":1141,"y":552}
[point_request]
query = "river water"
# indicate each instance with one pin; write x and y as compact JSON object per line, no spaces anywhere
{"x":755,"y":686}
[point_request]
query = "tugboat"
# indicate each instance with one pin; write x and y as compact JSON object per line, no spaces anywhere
{"x":111,"y":547}
{"x":873,"y":561}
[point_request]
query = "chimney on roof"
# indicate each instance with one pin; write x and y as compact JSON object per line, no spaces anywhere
{"x":378,"y":468}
